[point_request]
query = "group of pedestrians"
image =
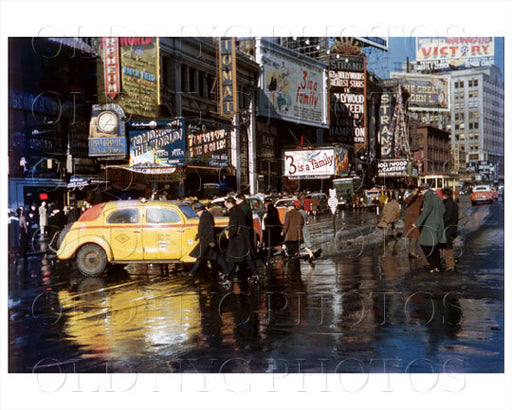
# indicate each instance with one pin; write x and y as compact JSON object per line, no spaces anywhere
{"x":430,"y":222}
{"x":240,"y":235}
{"x":37,"y":223}
{"x":241,"y":249}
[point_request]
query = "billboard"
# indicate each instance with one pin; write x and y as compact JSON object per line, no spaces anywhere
{"x":347,"y":81}
{"x":207,"y":145}
{"x":131,"y":63}
{"x":319,"y":163}
{"x":437,"y":53}
{"x":157,"y":145}
{"x":425,"y":92}
{"x":291,"y":87}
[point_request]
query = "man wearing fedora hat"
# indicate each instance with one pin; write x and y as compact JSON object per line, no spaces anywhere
{"x":207,"y":248}
{"x":431,"y":226}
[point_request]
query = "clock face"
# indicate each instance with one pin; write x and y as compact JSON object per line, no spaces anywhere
{"x":107,"y":121}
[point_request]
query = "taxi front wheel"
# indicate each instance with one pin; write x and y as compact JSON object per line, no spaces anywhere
{"x":91,"y":260}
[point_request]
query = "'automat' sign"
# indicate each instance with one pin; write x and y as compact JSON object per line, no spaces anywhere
{"x":227,"y":79}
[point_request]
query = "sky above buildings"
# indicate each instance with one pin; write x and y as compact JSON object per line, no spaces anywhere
{"x":401,"y":48}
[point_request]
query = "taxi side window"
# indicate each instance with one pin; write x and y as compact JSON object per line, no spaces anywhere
{"x":124,"y":216}
{"x":162,"y":215}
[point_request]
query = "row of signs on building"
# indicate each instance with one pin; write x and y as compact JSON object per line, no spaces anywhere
{"x":155,"y":146}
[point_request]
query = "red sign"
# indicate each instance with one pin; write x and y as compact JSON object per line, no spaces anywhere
{"x":43,"y":197}
{"x":111,"y":66}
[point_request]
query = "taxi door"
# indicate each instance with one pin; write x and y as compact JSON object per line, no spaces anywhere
{"x":162,"y":233}
{"x":123,"y":231}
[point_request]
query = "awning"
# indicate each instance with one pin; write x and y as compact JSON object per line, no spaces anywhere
{"x":75,"y":43}
{"x":145,"y":169}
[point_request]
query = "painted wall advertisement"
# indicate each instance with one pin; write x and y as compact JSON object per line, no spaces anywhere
{"x":207,"y":145}
{"x":156,"y":146}
{"x":347,"y":81}
{"x":425,"y":92}
{"x":393,"y":168}
{"x":291,"y":88}
{"x":319,"y":163}
{"x":436,"y":53}
{"x":131,"y":63}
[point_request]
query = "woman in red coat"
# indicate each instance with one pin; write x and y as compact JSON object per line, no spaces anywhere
{"x":413,"y":202}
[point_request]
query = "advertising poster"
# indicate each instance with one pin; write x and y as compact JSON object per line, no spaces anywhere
{"x":291,"y":88}
{"x":207,"y":145}
{"x":425,"y":92}
{"x":137,"y":66}
{"x":347,"y":81}
{"x":156,"y":144}
{"x":434,"y":53}
{"x":320,"y":163}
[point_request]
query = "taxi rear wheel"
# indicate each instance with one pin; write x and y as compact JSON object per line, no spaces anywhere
{"x":91,"y":260}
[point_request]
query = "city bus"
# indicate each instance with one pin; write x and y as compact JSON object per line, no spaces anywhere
{"x":438,"y":181}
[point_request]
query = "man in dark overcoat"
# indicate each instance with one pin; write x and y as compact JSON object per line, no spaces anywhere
{"x":207,"y":248}
{"x":451,"y":221}
{"x":247,"y":211}
{"x":239,"y":244}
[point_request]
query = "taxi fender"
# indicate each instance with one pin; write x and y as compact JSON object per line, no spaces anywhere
{"x":69,"y":248}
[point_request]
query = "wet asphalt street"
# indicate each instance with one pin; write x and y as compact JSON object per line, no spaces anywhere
{"x":370,"y":310}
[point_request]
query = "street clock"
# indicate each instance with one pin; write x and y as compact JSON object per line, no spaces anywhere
{"x":107,"y":121}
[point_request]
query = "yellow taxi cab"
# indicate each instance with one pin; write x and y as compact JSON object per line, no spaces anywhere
{"x":131,"y":231}
{"x":481,"y":193}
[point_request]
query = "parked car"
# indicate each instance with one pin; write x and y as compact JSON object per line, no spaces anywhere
{"x":131,"y":231}
{"x":481,"y":193}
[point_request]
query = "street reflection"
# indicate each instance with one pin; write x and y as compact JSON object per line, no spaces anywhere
{"x":116,"y":322}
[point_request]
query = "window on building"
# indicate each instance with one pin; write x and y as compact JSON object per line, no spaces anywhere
{"x":184,"y":78}
{"x":202,"y":85}
{"x":211,"y":84}
{"x":192,"y":85}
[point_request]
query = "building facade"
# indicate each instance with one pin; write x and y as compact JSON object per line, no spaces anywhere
{"x":430,"y":147}
{"x":477,"y":115}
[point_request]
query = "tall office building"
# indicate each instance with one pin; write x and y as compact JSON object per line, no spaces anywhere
{"x":477,"y":115}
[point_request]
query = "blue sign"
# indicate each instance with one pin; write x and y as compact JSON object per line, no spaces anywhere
{"x":107,"y":146}
{"x":157,"y":143}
